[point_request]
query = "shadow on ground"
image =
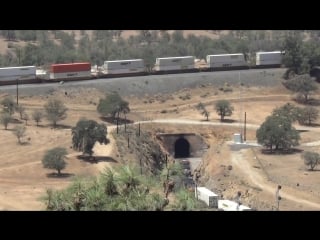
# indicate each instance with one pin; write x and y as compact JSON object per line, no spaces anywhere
{"x":61,"y":175}
{"x":281,"y":152}
{"x":96,"y":159}
{"x":114,"y":121}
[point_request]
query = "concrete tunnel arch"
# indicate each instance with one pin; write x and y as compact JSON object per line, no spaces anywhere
{"x":181,"y":148}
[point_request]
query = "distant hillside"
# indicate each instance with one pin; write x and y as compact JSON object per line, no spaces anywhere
{"x":4,"y":43}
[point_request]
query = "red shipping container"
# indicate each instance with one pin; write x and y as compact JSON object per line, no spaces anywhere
{"x":70,"y":67}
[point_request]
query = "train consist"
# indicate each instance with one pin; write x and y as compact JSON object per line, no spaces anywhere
{"x":136,"y":67}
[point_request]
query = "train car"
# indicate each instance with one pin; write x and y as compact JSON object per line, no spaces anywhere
{"x":175,"y":65}
{"x":227,"y":61}
{"x":130,"y":66}
{"x":70,"y":71}
{"x":23,"y":74}
{"x":269,"y":59}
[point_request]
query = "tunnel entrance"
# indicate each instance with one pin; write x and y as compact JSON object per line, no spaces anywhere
{"x":182,"y":148}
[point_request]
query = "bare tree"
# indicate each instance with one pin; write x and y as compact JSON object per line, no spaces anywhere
{"x":19,"y":132}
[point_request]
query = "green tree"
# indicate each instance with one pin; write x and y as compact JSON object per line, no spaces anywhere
{"x":185,"y":201}
{"x":278,"y":132}
{"x":294,"y":55}
{"x":304,"y":85}
{"x":86,"y":133}
{"x":223,"y":108}
{"x":288,"y":111}
{"x":9,"y":105}
{"x":19,"y":132}
{"x":311,"y":159}
{"x":37,"y":116}
{"x":5,"y":119}
{"x":308,"y":115}
{"x":55,"y":159}
{"x":55,"y":111}
{"x":113,"y":105}
{"x":202,"y":109}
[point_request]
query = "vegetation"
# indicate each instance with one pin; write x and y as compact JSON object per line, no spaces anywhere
{"x":113,"y":105}
{"x":55,"y":159}
{"x":288,"y":111}
{"x":202,"y":109}
{"x":124,"y":190}
{"x":37,"y":116}
{"x":303,"y":85}
{"x":19,"y":132}
{"x":311,"y":159}
{"x":308,"y":115}
{"x":277,"y":131}
{"x":55,"y":111}
{"x":55,"y":46}
{"x":5,"y":119}
{"x":9,"y":105}
{"x":21,"y":110}
{"x":223,"y":108}
{"x":86,"y":133}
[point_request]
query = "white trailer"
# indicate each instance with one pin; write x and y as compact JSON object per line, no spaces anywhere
{"x":227,"y":205}
{"x":174,"y":63}
{"x":78,"y":74}
{"x":226,"y":60}
{"x":124,"y":66}
{"x":269,"y":58}
{"x":18,"y":73}
{"x":209,"y":197}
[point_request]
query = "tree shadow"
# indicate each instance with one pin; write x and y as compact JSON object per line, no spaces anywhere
{"x":281,"y":151}
{"x":16,"y":121}
{"x":25,"y":143}
{"x":302,"y":131}
{"x":62,"y":126}
{"x":62,"y":175}
{"x":228,"y":121}
{"x":96,"y":159}
{"x":314,"y":170}
{"x":313,"y":102}
{"x":310,"y":125}
{"x":114,"y":121}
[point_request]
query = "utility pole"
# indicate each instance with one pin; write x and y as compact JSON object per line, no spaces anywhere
{"x":17,"y":91}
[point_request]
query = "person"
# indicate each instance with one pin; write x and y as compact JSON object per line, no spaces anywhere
{"x":278,"y":197}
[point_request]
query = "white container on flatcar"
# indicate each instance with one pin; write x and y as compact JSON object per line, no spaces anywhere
{"x":124,"y":66}
{"x":226,"y":60}
{"x":174,"y":63}
{"x":207,"y":196}
{"x":18,"y":73}
{"x":268,"y":58}
{"x":70,"y":74}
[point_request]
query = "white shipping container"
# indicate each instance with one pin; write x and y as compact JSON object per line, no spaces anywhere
{"x":204,"y":194}
{"x":21,"y":73}
{"x":227,"y":205}
{"x":70,"y":75}
{"x":269,"y":58}
{"x":175,"y":61}
{"x":226,"y":60}
{"x":124,"y":64}
{"x":123,"y":70}
{"x":176,"y":67}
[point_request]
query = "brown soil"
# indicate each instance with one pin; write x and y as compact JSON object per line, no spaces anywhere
{"x":23,"y":180}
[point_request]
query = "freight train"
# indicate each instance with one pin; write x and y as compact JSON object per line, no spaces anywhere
{"x":137,"y":67}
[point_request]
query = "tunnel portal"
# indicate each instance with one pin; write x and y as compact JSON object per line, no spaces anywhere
{"x":182,"y":148}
